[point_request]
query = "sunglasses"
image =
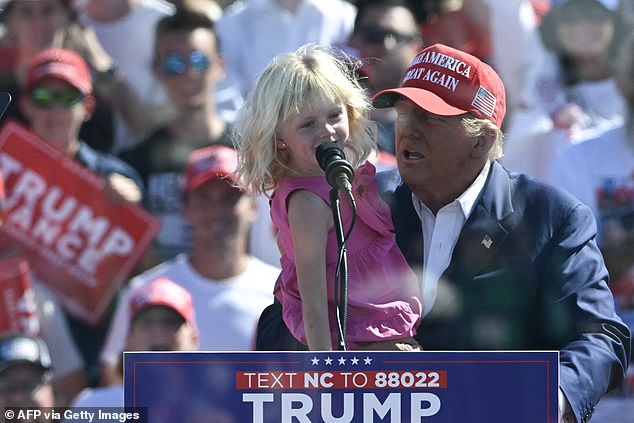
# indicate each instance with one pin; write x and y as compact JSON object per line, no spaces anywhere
{"x":174,"y":64}
{"x":376,"y":34}
{"x":47,"y":98}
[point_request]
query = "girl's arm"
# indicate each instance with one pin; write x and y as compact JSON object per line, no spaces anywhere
{"x":310,"y":220}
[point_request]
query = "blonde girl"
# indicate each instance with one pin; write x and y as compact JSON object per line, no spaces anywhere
{"x":302,"y":100}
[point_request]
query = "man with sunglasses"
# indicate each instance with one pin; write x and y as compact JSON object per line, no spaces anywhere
{"x":188,"y":65}
{"x":57,"y":97}
{"x":386,"y":36}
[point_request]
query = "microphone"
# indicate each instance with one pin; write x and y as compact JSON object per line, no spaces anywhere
{"x":332,"y":160}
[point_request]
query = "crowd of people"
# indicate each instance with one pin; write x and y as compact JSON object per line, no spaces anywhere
{"x":492,"y":146}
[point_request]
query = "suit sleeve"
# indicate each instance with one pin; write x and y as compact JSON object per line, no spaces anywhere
{"x":597,"y":343}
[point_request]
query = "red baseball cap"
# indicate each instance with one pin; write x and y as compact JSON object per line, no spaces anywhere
{"x":204,"y":164}
{"x":59,"y":63}
{"x":449,"y":82}
{"x":163,"y":292}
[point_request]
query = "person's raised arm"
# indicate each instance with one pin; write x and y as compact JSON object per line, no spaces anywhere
{"x":310,"y":220}
{"x":140,"y":117}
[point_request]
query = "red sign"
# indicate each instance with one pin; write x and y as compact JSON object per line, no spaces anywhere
{"x":77,"y":242}
{"x":17,"y":304}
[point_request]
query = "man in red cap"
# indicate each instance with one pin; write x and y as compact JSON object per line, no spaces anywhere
{"x":57,"y":97}
{"x":507,"y":262}
{"x":162,"y":318}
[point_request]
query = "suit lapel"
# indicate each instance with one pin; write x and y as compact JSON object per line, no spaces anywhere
{"x":484,"y":234}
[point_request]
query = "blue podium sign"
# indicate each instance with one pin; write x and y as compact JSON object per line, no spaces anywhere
{"x":344,"y":387}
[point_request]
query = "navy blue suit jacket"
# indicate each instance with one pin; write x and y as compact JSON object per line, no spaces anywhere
{"x":526,"y":273}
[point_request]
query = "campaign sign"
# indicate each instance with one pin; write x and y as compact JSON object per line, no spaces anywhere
{"x":76,"y":241}
{"x":17,"y":302}
{"x":343,"y":387}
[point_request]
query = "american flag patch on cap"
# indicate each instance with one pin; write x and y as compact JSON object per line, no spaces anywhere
{"x":484,"y":102}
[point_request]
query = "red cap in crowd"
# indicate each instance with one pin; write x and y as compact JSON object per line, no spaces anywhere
{"x":163,"y":292}
{"x":204,"y":164}
{"x":62,"y":64}
{"x":449,"y":82}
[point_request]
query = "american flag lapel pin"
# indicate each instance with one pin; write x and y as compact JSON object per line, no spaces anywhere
{"x":487,"y":241}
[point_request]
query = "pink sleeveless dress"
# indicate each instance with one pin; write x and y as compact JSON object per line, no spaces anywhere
{"x":383,"y":293}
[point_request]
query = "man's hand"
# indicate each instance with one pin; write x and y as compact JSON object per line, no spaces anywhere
{"x":565,"y":410}
{"x":120,"y":189}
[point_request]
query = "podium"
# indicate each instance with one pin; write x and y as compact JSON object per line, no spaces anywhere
{"x":343,"y":387}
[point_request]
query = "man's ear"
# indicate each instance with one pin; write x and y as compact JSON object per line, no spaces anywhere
{"x":483,"y":144}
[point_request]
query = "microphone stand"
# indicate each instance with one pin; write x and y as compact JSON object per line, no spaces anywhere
{"x":341,"y":275}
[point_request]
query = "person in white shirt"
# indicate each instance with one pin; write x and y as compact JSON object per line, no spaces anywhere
{"x":575,"y":88}
{"x":230,"y":287}
{"x":253,"y":32}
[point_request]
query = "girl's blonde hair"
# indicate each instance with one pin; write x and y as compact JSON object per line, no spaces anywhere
{"x":311,"y":77}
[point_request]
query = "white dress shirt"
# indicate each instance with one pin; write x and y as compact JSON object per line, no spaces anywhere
{"x":440,"y":234}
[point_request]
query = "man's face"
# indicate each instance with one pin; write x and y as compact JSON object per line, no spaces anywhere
{"x":388,"y":38}
{"x":36,"y":24}
{"x":219,"y":214}
{"x":160,"y":328}
{"x":432,"y":152}
{"x":189,"y":67}
{"x":56,"y":111}
{"x":585,"y":32}
{"x":25,"y":385}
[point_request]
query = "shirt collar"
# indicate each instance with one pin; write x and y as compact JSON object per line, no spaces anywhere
{"x":467,"y":199}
